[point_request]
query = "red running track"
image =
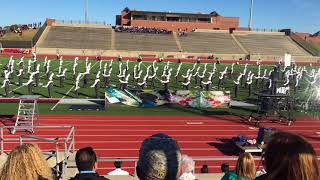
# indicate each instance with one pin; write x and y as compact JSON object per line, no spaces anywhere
{"x":198,"y":136}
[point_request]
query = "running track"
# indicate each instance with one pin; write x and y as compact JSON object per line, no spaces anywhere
{"x":198,"y":136}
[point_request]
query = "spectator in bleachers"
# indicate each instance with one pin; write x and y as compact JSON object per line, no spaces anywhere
{"x":26,"y":162}
{"x":159,"y":158}
{"x":86,"y":160}
{"x":118,"y":170}
{"x":187,"y":166}
{"x":142,"y":30}
{"x":290,"y":157}
{"x":245,"y":169}
{"x":204,"y":169}
{"x":228,"y":175}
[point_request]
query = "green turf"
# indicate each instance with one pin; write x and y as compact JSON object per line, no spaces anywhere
{"x":167,"y":110}
{"x":122,"y":109}
{"x":90,"y":93}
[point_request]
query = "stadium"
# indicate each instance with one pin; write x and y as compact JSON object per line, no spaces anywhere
{"x":218,"y":89}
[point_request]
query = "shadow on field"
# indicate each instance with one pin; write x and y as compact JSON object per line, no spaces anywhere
{"x":226,"y":147}
{"x":17,"y":93}
{"x":7,"y":120}
{"x":63,"y":94}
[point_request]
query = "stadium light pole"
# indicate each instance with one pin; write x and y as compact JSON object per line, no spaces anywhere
{"x":251,"y":15}
{"x":86,"y":11}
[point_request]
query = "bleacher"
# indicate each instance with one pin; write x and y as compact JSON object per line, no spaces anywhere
{"x":77,"y":38}
{"x":145,"y":42}
{"x":269,"y":44}
{"x":201,"y":42}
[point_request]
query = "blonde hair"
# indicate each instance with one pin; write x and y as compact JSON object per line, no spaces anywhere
{"x":246,"y":166}
{"x":26,"y":162}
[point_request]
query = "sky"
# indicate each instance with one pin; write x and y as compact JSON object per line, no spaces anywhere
{"x":299,"y":15}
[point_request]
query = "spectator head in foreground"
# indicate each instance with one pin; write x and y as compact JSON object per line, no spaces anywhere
{"x":246,"y":167}
{"x":26,"y":162}
{"x":290,"y":157}
{"x":86,"y":161}
{"x":159,"y":158}
{"x":187,"y":167}
{"x":205,"y":169}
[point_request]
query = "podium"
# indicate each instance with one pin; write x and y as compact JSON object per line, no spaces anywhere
{"x":27,"y":113}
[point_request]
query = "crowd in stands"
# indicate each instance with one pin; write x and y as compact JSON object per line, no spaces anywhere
{"x":286,"y":157}
{"x":142,"y":30}
{"x":18,"y":28}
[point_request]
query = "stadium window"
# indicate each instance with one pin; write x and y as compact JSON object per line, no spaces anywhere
{"x":172,"y":18}
{"x":161,"y":18}
{"x":139,"y":17}
{"x":150,"y":17}
{"x":184,"y":19}
{"x":193,"y":19}
{"x":207,"y":20}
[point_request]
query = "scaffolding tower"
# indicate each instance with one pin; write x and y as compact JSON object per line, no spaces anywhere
{"x":27,"y":114}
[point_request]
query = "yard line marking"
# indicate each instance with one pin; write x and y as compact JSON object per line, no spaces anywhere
{"x":91,"y":67}
{"x":62,"y":98}
{"x":69,"y":91}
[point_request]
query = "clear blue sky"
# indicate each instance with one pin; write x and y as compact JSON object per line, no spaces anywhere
{"x":300,"y":15}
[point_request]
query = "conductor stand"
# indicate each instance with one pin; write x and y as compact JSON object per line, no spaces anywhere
{"x":27,"y":114}
{"x":274,"y":107}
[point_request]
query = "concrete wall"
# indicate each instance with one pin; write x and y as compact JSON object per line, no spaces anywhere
{"x":116,"y":53}
{"x":16,"y":44}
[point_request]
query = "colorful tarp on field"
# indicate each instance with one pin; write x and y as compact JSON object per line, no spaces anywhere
{"x":201,"y":99}
{"x":152,"y":98}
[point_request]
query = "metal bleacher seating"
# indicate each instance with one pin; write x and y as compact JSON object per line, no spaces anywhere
{"x":203,"y":42}
{"x":145,"y":42}
{"x":78,"y":38}
{"x":269,"y":44}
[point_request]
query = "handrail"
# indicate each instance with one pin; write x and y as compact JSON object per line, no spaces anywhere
{"x":135,"y":160}
{"x":38,"y":138}
{"x":79,"y":22}
{"x":68,"y":141}
{"x":43,"y":127}
{"x":68,"y":149}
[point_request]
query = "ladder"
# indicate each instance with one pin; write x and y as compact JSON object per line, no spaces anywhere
{"x":27,"y":114}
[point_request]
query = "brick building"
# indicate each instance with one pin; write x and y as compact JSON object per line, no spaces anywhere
{"x":175,"y":21}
